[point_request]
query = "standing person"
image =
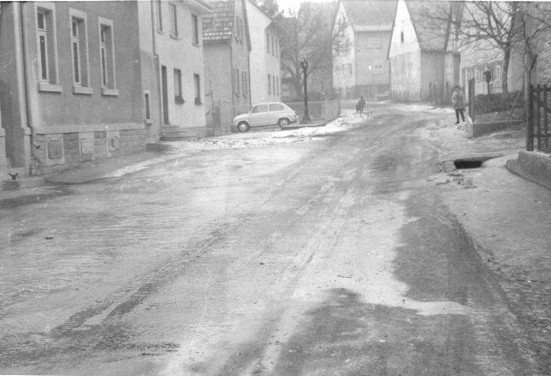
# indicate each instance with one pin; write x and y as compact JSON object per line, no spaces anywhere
{"x":458,"y":101}
{"x":360,"y":105}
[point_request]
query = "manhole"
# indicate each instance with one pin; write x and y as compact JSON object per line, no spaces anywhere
{"x":468,"y":163}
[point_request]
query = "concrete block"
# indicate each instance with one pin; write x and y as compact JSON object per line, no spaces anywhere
{"x":532,"y":166}
{"x":479,"y":129}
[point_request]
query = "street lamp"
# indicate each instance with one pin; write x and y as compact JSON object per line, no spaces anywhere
{"x":304,"y":65}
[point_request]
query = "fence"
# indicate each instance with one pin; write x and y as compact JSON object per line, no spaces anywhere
{"x":539,"y":107}
{"x":496,"y":107}
{"x":318,"y":110}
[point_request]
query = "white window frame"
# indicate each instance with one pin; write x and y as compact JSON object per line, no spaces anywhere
{"x":159,"y":10}
{"x":196,"y":30}
{"x":108,"y":88}
{"x":173,"y":13}
{"x":178,"y":88}
{"x":50,"y":83}
{"x":82,"y":85}
{"x":197,"y":87}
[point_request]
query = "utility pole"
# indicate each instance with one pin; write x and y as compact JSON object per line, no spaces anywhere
{"x":304,"y":65}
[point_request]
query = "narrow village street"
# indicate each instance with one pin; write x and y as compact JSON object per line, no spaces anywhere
{"x":324,"y":253}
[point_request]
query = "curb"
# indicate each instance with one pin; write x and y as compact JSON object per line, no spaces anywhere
{"x":532,"y":166}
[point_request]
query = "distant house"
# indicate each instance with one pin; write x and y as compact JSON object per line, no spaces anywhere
{"x":71,"y":83}
{"x":364,"y":69}
{"x":178,"y":47}
{"x":482,"y":56}
{"x":424,"y":60}
{"x":266,"y":55}
{"x":227,"y":45}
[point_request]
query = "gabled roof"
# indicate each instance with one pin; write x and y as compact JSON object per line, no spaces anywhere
{"x":218,"y":25}
{"x":370,"y":15}
{"x":429,"y":21}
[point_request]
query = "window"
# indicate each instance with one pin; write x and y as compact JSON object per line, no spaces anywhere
{"x":107,"y":57}
{"x":159,"y":15}
{"x":173,"y":20}
{"x":147,"y":100}
{"x":273,"y":46}
{"x":277,"y":47}
{"x":197,"y":82}
{"x":245,"y":83}
{"x":195,"y":25}
{"x":260,"y":108}
{"x":277,"y":85}
{"x":269,"y":84}
{"x":178,"y":86}
{"x":79,"y":52}
{"x":238,"y":28}
{"x":47,"y":51}
{"x":268,"y":43}
{"x":237,"y":81}
{"x":273,"y":85}
{"x":276,"y":107}
{"x":402,"y":37}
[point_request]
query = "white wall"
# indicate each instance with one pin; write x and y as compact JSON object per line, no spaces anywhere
{"x":263,"y":63}
{"x":180,"y":53}
{"x":344,"y":67}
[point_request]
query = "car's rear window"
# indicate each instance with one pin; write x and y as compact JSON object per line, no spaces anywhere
{"x":276,"y":107}
{"x":260,"y":108}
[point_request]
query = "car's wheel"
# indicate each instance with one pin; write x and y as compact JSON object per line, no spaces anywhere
{"x":283,"y":123}
{"x":243,"y":127}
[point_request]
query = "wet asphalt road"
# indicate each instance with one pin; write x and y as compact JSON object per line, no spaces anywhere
{"x":319,"y":258}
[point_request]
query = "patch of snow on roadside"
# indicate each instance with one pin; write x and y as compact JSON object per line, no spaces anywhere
{"x":423,"y":107}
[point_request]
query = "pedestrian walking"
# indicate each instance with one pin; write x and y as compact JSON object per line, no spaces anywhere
{"x":458,"y":101}
{"x":360,"y":106}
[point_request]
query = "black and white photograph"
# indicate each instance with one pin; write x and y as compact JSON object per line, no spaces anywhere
{"x":275,"y":188}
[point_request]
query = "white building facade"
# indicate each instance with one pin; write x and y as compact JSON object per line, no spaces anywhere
{"x":178,"y":47}
{"x":265,"y":55}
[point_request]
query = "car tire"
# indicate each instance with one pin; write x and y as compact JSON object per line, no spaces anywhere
{"x":283,"y":123}
{"x":243,"y":127}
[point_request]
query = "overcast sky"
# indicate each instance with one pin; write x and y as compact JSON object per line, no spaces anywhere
{"x":294,"y":4}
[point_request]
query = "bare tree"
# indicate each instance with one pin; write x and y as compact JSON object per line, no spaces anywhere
{"x":271,"y":7}
{"x":505,"y":26}
{"x":310,"y":35}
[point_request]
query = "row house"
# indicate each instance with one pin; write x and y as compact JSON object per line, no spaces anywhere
{"x":423,"y":53}
{"x":90,"y":80}
{"x":242,"y":60}
{"x":265,"y":53}
{"x":178,"y":49}
{"x":363,"y":70}
{"x":227,"y":47}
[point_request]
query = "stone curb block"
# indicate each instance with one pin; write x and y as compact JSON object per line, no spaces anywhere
{"x":480,"y":129}
{"x":532,"y":166}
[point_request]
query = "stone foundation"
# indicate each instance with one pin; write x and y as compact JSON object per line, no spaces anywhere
{"x":54,"y":152}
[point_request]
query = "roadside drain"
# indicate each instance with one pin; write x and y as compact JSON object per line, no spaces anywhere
{"x":466,"y":163}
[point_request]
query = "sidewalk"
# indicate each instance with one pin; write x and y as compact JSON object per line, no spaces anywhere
{"x":508,"y":219}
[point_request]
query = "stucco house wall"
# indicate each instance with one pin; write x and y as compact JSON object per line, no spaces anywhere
{"x":70,"y":122}
{"x":405,"y":57}
{"x":178,"y":51}
{"x":371,"y":49}
{"x":344,"y":65}
{"x":265,"y":53}
{"x":432,"y":71}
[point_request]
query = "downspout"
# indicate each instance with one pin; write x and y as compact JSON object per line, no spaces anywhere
{"x":157,"y":69}
{"x":26,"y":81}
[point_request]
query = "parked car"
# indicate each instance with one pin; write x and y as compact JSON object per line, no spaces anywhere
{"x":264,"y":114}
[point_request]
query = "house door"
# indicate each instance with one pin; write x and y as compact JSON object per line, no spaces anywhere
{"x":164,"y":88}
